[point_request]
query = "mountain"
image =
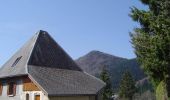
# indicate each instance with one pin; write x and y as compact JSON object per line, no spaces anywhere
{"x":94,"y":62}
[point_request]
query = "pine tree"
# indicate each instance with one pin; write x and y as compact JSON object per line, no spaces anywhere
{"x":107,"y":92}
{"x":151,"y":40}
{"x":127,"y":86}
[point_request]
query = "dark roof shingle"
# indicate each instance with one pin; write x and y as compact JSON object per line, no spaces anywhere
{"x":65,"y":82}
{"x":51,"y":68}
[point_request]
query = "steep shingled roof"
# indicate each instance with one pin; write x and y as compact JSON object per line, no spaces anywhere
{"x":20,"y":68}
{"x":51,"y":68}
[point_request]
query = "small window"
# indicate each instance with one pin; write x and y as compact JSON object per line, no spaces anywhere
{"x":27,"y":96}
{"x":16,"y":61}
{"x":11,"y":89}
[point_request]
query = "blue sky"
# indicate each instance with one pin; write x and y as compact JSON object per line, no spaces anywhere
{"x":79,"y":26}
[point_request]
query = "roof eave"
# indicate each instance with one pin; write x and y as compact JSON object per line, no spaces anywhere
{"x":11,"y":76}
{"x":67,"y":95}
{"x":37,"y":84}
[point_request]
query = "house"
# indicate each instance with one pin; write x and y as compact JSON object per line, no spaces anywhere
{"x":42,"y":70}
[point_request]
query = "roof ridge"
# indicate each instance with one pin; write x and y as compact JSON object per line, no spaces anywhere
{"x":42,"y":59}
{"x":37,"y":34}
{"x":47,"y":52}
{"x":40,"y":50}
{"x":20,"y":66}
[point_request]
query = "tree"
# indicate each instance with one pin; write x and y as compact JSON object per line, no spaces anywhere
{"x":127,"y":86}
{"x":107,"y":92}
{"x":151,"y":40}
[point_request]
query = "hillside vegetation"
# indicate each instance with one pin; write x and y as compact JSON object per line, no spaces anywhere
{"x":94,"y":62}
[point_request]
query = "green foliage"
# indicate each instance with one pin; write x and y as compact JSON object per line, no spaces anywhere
{"x":151,"y":40}
{"x":115,"y":66}
{"x":107,"y":92}
{"x":127,"y":86}
{"x":161,"y":92}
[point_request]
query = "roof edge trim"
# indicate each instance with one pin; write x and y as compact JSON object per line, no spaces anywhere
{"x":95,"y":78}
{"x":37,"y":34}
{"x":36,"y":83}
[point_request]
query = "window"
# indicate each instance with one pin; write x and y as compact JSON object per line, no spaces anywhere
{"x":96,"y":97}
{"x":16,"y":61}
{"x":11,"y":89}
{"x":37,"y":97}
{"x":27,"y":96}
{"x":1,"y":88}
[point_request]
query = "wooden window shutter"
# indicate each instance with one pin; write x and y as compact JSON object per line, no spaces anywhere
{"x":14,"y":89}
{"x":1,"y":88}
{"x":8,"y":89}
{"x":11,"y":88}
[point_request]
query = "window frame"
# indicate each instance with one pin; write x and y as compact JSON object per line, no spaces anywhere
{"x":35,"y":95}
{"x":11,"y":89}
{"x":16,"y":61}
{"x":27,"y":96}
{"x":1,"y":88}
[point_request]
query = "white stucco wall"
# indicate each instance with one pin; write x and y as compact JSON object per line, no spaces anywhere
{"x":32,"y":95}
{"x":20,"y":94}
